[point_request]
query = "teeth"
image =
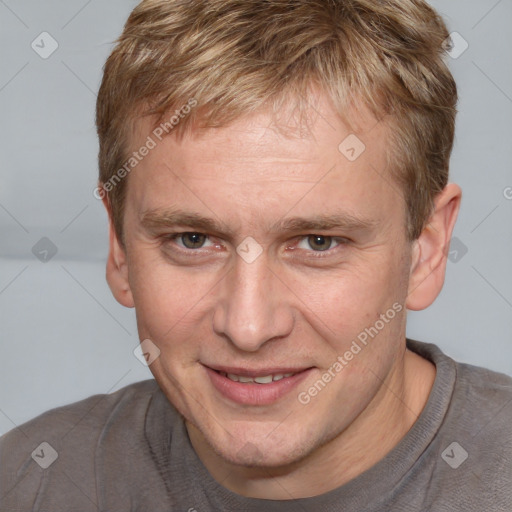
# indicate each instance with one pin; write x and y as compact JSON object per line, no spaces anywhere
{"x":263,"y":380}
{"x":266,"y":379}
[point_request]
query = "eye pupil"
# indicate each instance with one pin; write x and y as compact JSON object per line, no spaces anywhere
{"x":193,"y":240}
{"x":319,"y":242}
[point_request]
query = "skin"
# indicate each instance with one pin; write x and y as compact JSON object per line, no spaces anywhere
{"x":208,"y":306}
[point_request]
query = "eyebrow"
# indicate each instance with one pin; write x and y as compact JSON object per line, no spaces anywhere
{"x":154,"y":220}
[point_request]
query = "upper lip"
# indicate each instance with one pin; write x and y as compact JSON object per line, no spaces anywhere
{"x":275,"y":370}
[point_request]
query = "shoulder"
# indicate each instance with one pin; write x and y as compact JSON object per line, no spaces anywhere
{"x":72,"y":430}
{"x":481,"y":386}
{"x":489,"y":390}
{"x":82,"y":415}
{"x":483,"y":398}
{"x":477,"y":438}
{"x":479,"y":419}
{"x":468,"y":462}
{"x":474,"y":404}
{"x":478,"y":395}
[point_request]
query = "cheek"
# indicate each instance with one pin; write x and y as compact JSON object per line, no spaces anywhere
{"x":346,"y":306}
{"x":166,"y":298}
{"x":351,"y":296}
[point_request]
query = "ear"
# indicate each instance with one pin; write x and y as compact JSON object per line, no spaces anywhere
{"x":428,"y":264}
{"x":117,"y":267}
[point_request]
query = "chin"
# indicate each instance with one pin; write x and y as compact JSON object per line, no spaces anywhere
{"x":253,"y":448}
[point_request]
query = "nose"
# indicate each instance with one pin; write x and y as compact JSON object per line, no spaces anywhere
{"x":252,"y":307}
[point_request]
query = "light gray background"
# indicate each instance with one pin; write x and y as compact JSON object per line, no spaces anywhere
{"x":64,"y":337}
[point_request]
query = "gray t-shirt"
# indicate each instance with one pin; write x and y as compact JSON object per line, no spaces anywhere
{"x":129,"y":451}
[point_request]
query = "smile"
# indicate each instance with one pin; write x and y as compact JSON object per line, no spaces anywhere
{"x":266,"y":379}
{"x":258,"y":388}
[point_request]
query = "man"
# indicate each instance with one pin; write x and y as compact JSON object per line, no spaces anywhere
{"x":276,"y":179}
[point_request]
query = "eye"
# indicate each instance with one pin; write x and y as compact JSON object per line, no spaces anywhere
{"x":191,"y":240}
{"x":318,"y":243}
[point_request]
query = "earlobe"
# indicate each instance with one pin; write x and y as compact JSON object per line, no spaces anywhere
{"x":117,"y":267}
{"x":428,"y":262}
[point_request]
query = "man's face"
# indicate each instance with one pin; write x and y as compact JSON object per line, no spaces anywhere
{"x":290,"y":300}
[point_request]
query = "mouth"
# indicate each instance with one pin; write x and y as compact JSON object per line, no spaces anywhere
{"x":261,"y":379}
{"x":255,"y":387}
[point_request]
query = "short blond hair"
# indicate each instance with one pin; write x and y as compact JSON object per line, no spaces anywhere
{"x":234,"y":57}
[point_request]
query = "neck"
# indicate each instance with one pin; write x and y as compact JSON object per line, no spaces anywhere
{"x":374,"y":433}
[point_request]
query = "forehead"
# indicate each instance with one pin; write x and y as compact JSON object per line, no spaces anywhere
{"x":266,"y":163}
{"x":297,"y":134}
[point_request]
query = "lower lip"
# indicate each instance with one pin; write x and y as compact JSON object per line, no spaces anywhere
{"x":254,"y":393}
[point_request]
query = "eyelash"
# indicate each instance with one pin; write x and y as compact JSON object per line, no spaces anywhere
{"x":341,"y":241}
